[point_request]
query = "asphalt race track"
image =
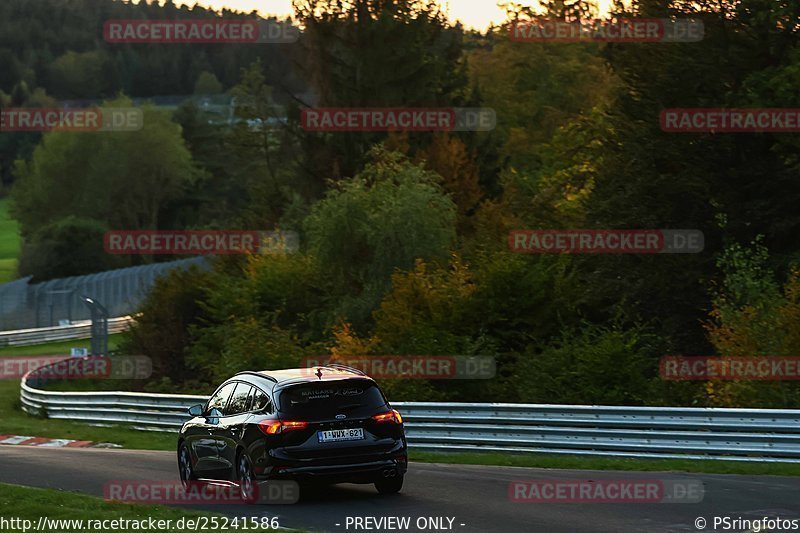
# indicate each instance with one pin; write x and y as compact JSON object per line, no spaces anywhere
{"x":476,"y":497}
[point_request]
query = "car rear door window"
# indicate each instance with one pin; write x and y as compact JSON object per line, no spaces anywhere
{"x":250,"y":399}
{"x":238,"y":401}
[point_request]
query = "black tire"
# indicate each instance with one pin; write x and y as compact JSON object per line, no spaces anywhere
{"x":248,"y":485}
{"x":390,"y":485}
{"x":185,"y":468}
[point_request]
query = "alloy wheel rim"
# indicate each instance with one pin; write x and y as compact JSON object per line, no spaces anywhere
{"x":186,"y":467}
{"x":245,"y":478}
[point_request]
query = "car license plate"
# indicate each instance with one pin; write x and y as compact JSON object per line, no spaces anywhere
{"x":336,"y":435}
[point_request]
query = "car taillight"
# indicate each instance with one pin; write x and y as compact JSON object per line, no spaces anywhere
{"x":392,"y":417}
{"x":271,"y":427}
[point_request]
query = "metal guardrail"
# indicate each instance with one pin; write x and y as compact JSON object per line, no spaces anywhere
{"x":77,"y":330}
{"x":763,"y":435}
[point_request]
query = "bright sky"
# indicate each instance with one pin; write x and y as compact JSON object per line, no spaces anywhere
{"x":472,"y":13}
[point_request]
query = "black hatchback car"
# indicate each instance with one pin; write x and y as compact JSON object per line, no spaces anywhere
{"x":328,"y":424}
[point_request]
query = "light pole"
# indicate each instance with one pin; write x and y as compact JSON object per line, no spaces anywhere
{"x":99,"y":326}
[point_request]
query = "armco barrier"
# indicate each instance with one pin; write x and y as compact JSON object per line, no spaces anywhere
{"x":78,"y":330}
{"x":654,"y":432}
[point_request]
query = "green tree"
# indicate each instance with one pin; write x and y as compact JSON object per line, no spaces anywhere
{"x":68,"y":247}
{"x":104,"y":176}
{"x":11,"y":73}
{"x":262,"y":173}
{"x":75,"y":75}
{"x":163,"y":331}
{"x":753,"y":315}
{"x":373,"y":53}
{"x":385,"y":218}
{"x":592,"y":365}
{"x":207,"y":84}
{"x":264,"y":311}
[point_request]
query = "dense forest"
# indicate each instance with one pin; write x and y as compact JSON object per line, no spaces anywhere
{"x":404,"y":234}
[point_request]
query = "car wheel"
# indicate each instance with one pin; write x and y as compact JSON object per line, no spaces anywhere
{"x":389,"y":485}
{"x":185,"y":468}
{"x":248,"y":486}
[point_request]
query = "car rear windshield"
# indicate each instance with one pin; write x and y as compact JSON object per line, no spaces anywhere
{"x":324,"y":400}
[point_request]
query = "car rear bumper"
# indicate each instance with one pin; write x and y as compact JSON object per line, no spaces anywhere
{"x":362,"y":468}
{"x":349,"y":473}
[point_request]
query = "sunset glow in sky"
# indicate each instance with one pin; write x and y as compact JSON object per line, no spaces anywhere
{"x":472,"y":13}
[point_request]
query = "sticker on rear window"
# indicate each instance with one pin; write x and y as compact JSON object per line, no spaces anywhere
{"x":349,"y":392}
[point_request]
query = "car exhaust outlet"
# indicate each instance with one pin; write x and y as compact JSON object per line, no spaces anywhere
{"x":389,"y":473}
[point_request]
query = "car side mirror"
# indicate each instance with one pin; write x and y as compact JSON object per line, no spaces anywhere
{"x":212,"y":417}
{"x":196,"y":410}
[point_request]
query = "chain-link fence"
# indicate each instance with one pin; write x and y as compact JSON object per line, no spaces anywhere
{"x":24,"y":305}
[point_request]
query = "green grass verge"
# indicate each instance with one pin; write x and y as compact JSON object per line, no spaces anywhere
{"x":9,"y":244}
{"x":28,"y":503}
{"x":56,"y":348}
{"x":572,"y":462}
